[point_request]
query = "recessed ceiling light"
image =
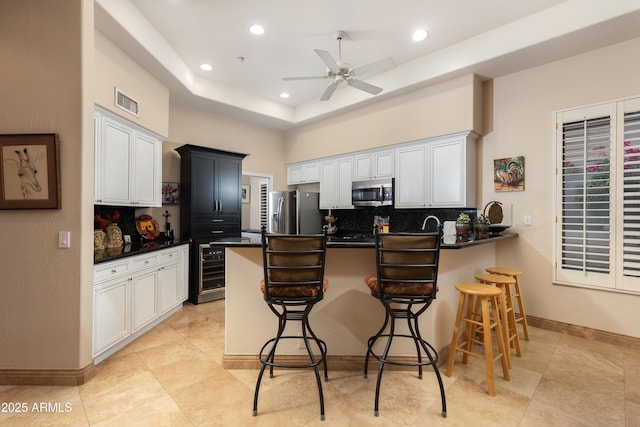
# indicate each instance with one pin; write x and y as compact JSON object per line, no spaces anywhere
{"x":256,"y":29}
{"x":206,"y":67}
{"x":420,"y":35}
{"x":284,"y":95}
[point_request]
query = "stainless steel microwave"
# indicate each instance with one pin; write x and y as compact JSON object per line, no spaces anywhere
{"x":375,"y":192}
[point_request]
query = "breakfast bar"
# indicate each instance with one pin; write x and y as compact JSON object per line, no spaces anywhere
{"x":348,"y":315}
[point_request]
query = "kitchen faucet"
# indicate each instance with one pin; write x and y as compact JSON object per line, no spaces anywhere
{"x":424,"y":223}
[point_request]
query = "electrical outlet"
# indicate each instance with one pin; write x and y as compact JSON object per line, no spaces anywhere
{"x":527,"y":220}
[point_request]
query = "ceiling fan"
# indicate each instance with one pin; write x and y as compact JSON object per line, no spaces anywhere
{"x":342,"y":72}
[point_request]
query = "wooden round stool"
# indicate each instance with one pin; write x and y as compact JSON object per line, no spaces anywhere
{"x":509,"y":320}
{"x":483,"y":308}
{"x":521,"y":315}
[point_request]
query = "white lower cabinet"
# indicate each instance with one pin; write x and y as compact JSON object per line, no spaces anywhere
{"x":170,"y":275}
{"x":144,"y":298}
{"x":111,"y":306}
{"x":133,"y":294}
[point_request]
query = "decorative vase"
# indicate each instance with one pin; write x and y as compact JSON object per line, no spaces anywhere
{"x":462,"y":228}
{"x":114,"y":236}
{"x":99,"y":240}
{"x":482,"y":230}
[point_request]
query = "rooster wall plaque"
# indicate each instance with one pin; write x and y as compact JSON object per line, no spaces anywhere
{"x":508,"y":174}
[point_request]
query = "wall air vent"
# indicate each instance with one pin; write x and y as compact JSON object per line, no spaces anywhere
{"x":127,"y":103}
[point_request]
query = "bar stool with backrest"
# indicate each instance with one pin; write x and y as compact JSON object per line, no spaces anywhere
{"x":511,"y":338}
{"x":293,"y":283}
{"x":521,"y":315}
{"x":482,"y":314}
{"x":405,"y":284}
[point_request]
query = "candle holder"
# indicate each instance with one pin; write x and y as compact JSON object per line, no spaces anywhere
{"x":331,"y":227}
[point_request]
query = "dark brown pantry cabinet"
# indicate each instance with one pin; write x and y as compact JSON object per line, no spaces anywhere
{"x":210,"y":209}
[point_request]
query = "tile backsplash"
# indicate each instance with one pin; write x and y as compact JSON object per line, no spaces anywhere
{"x":126,"y":222}
{"x":361,"y":220}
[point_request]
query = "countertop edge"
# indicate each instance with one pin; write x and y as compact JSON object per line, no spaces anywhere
{"x":137,"y":252}
{"x":460,"y":244}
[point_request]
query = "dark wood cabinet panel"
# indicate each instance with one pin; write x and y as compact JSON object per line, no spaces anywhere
{"x":210,"y":201}
{"x":203,"y":171}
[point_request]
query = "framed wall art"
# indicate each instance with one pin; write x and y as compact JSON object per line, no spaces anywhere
{"x":29,"y":171}
{"x":170,"y":193}
{"x":508,"y":174}
{"x":246,"y":193}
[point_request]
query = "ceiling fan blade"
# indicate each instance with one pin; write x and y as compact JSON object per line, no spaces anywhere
{"x":359,"y":84}
{"x":327,"y":59}
{"x":305,"y":78}
{"x":374,"y":67}
{"x":329,"y":91}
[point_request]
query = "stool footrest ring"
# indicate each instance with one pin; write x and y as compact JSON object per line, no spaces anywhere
{"x":433,"y":358}
{"x":265,"y":359}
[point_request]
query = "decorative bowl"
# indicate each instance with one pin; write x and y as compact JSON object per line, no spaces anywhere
{"x":495,"y":229}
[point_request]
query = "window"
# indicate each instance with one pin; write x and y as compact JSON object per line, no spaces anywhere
{"x":598,"y":196}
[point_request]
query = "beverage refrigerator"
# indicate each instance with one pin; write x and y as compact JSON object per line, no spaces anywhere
{"x":294,"y":212}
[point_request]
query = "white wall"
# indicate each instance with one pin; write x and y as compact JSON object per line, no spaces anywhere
{"x":523,"y":125}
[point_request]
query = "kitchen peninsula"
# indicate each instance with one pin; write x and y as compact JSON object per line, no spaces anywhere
{"x":348,"y":315}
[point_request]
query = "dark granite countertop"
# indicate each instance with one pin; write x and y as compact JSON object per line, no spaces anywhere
{"x":458,"y":243}
{"x":132,"y":249}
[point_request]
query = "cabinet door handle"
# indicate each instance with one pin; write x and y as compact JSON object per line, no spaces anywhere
{"x":217,"y":220}
{"x":216,"y":231}
{"x":220,"y":202}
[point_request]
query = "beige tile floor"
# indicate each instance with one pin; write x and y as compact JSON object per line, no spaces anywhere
{"x":173,"y":376}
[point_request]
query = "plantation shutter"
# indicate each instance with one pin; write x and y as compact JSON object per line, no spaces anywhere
{"x":585,"y":206}
{"x":631,"y":197}
{"x":263,"y":206}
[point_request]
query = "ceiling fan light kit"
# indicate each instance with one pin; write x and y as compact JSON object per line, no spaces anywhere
{"x":343,"y":72}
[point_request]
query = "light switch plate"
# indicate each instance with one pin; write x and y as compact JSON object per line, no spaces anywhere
{"x":64,"y":239}
{"x":527,"y":220}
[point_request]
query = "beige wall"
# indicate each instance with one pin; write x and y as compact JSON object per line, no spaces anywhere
{"x":448,"y":107}
{"x":45,"y":292}
{"x":264,"y":146}
{"x":115,"y":69}
{"x":523,"y":107}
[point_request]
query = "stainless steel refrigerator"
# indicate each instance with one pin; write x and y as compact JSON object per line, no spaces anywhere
{"x":294,"y":212}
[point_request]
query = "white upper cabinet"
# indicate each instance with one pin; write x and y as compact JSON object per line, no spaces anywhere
{"x":438,"y":172}
{"x":373,"y":165}
{"x":128,"y":168}
{"x":335,"y":183}
{"x":147,"y":170}
{"x":410,"y":190}
{"x":303,"y":173}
